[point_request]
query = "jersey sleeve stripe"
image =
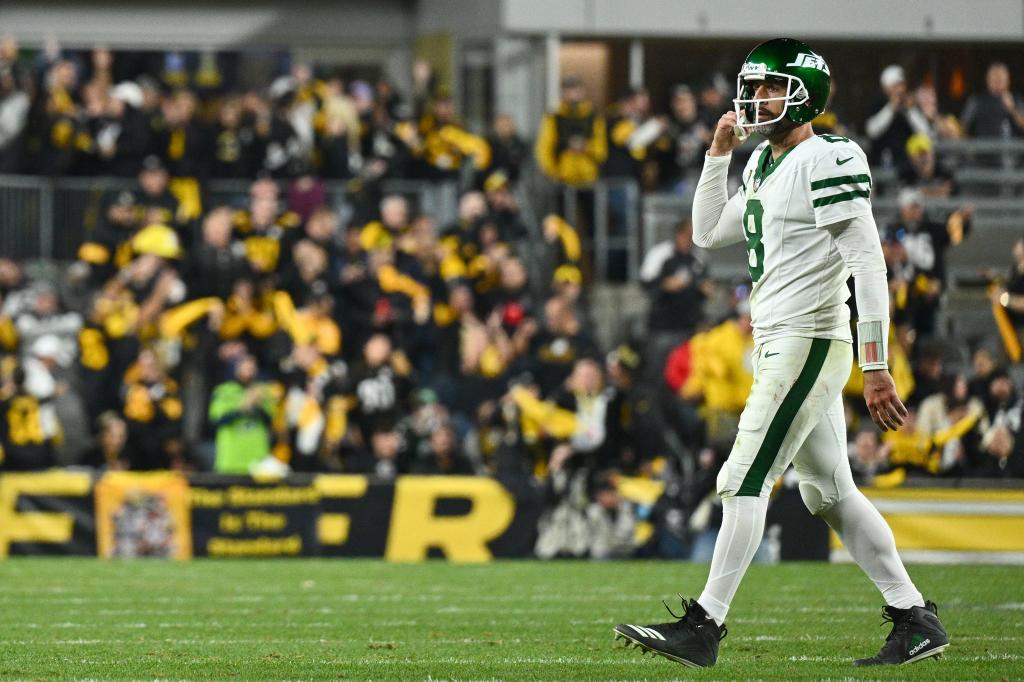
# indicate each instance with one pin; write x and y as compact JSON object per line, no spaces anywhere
{"x":844,"y":196}
{"x":840,"y":180}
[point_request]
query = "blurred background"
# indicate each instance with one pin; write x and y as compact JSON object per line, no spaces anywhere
{"x":452,"y":238}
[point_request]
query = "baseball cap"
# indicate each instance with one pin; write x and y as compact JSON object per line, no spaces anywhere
{"x":158,"y":240}
{"x":909,"y":196}
{"x":891,"y":75}
{"x":496,"y":181}
{"x":918,"y":143}
{"x":128,"y":92}
{"x":153,"y":163}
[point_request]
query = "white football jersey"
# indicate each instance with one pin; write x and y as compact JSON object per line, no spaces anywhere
{"x":799,"y":280}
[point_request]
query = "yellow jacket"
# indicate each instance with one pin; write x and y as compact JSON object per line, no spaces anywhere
{"x":721,"y":370}
{"x":557,"y":159}
{"x":446,"y":147}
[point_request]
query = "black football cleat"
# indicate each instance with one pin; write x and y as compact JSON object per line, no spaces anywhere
{"x":917,"y":633}
{"x":691,"y":640}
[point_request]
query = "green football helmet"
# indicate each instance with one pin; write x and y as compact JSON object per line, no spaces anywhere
{"x":806,"y":75}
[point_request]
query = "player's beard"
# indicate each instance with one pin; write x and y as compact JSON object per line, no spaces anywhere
{"x":775,"y":129}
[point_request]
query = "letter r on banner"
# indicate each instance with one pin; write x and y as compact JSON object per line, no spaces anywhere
{"x":415,"y":528}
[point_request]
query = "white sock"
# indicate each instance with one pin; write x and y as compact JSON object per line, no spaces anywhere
{"x":868,"y":538}
{"x":738,"y":539}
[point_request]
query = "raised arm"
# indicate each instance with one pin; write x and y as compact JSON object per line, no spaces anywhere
{"x":717,"y":220}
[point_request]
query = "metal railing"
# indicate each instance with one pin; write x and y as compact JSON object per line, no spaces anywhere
{"x":607,"y":215}
{"x":49,"y":217}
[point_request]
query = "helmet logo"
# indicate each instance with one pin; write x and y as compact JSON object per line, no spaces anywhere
{"x":809,"y":60}
{"x":754,"y":70}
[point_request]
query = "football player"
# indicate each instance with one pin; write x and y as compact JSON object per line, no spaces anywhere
{"x":803,"y":213}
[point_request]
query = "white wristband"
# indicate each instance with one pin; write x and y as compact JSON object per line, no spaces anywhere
{"x":873,"y":344}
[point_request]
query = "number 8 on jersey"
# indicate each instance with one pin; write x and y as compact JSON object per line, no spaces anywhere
{"x":752,"y":219}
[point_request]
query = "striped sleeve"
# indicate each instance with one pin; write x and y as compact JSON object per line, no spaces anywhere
{"x":840,"y":185}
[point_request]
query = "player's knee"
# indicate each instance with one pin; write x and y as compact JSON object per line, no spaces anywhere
{"x":815,"y":499}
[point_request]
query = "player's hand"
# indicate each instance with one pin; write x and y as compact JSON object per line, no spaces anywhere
{"x":725,"y":139}
{"x":885,"y":407}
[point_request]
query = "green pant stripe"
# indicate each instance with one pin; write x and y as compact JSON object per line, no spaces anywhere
{"x":845,"y":196}
{"x":783,"y":419}
{"x":841,"y":180}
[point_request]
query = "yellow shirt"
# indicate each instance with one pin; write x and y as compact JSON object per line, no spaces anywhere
{"x":721,"y":372}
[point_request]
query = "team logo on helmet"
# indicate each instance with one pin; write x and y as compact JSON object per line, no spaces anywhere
{"x":809,"y":60}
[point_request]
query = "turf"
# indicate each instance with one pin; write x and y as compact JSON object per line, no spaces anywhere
{"x":292,"y":619}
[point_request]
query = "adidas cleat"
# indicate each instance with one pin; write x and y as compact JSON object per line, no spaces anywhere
{"x":917,"y":633}
{"x":691,"y":640}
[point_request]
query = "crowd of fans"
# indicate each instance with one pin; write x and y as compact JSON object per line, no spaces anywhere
{"x":278,"y":333}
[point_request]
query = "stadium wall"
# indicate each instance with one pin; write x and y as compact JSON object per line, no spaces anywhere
{"x":462,"y":519}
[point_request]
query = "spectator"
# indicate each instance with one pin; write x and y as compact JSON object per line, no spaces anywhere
{"x":385,"y":457}
{"x":868,"y":457}
{"x":1001,"y":455}
{"x":447,"y":145}
{"x":721,"y":374}
{"x":376,"y":389}
{"x":503,"y":209}
{"x":954,"y":422}
{"x":99,"y":364}
{"x":611,"y":522}
{"x":681,"y":155}
{"x":894,"y":120}
{"x":216,"y":264}
{"x":108,"y":249}
{"x":926,"y":243}
{"x":14,"y":108}
{"x":444,"y":457}
{"x":572,"y":144}
{"x":29,"y":429}
{"x":555,"y":348}
{"x":997,"y":112}
{"x":714,"y":100}
{"x":509,"y":150}
{"x":152,"y":410}
{"x":122,"y":137}
{"x":393,"y":223}
{"x":633,"y":425}
{"x":264,"y":229}
{"x":46,"y":319}
{"x":562,"y":245}
{"x":179,"y":142}
{"x":631,"y":136}
{"x":57,"y":121}
{"x":985,"y":371}
{"x":678,"y":281}
{"x":241,"y":411}
{"x":928,"y":371}
{"x":923,"y":173}
{"x":1010,"y":296}
{"x":940,"y":126}
{"x":236,"y":150}
{"x":111,"y":449}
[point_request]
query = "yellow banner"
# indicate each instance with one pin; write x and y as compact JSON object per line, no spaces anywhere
{"x":143,"y":514}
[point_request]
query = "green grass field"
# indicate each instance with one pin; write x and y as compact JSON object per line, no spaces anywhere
{"x":291,"y":619}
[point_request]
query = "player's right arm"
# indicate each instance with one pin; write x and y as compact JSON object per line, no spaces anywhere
{"x":717,"y":220}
